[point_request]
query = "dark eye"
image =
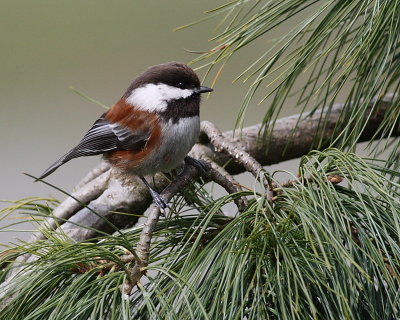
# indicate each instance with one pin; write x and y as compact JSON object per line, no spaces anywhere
{"x":180,"y":85}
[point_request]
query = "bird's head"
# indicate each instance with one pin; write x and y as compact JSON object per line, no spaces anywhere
{"x":165,"y":85}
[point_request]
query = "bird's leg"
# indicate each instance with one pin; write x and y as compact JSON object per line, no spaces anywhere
{"x":158,"y":200}
{"x":200,"y":165}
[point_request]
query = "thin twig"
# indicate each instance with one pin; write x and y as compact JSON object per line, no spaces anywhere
{"x":229,"y":186}
{"x":223,"y":144}
{"x":102,"y":265}
{"x":333,"y":178}
{"x":143,"y":246}
{"x":277,"y":188}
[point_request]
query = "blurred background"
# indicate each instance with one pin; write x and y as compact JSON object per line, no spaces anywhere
{"x":97,"y":47}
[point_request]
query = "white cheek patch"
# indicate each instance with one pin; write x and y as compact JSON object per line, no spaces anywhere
{"x":155,"y":97}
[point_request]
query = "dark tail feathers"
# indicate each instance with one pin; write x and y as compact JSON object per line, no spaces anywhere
{"x":54,"y":167}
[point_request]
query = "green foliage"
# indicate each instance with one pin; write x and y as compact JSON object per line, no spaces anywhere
{"x":322,"y":250}
{"x":320,"y":52}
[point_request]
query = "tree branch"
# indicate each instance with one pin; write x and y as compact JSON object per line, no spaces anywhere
{"x":126,"y":194}
{"x":293,"y":136}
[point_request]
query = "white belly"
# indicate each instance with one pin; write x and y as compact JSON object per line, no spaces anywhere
{"x":178,"y":139}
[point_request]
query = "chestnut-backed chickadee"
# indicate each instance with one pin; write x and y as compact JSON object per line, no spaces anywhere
{"x":151,"y":128}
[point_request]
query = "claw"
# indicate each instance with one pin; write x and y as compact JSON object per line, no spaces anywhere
{"x":200,"y":165}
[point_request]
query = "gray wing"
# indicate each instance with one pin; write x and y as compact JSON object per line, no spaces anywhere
{"x":103,"y":137}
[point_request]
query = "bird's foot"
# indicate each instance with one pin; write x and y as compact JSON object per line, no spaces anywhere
{"x":158,"y":200}
{"x":201,"y":165}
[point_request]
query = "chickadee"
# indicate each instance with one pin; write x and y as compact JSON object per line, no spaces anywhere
{"x":151,"y":128}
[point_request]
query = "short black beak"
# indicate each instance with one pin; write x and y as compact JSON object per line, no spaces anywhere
{"x":203,"y":89}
